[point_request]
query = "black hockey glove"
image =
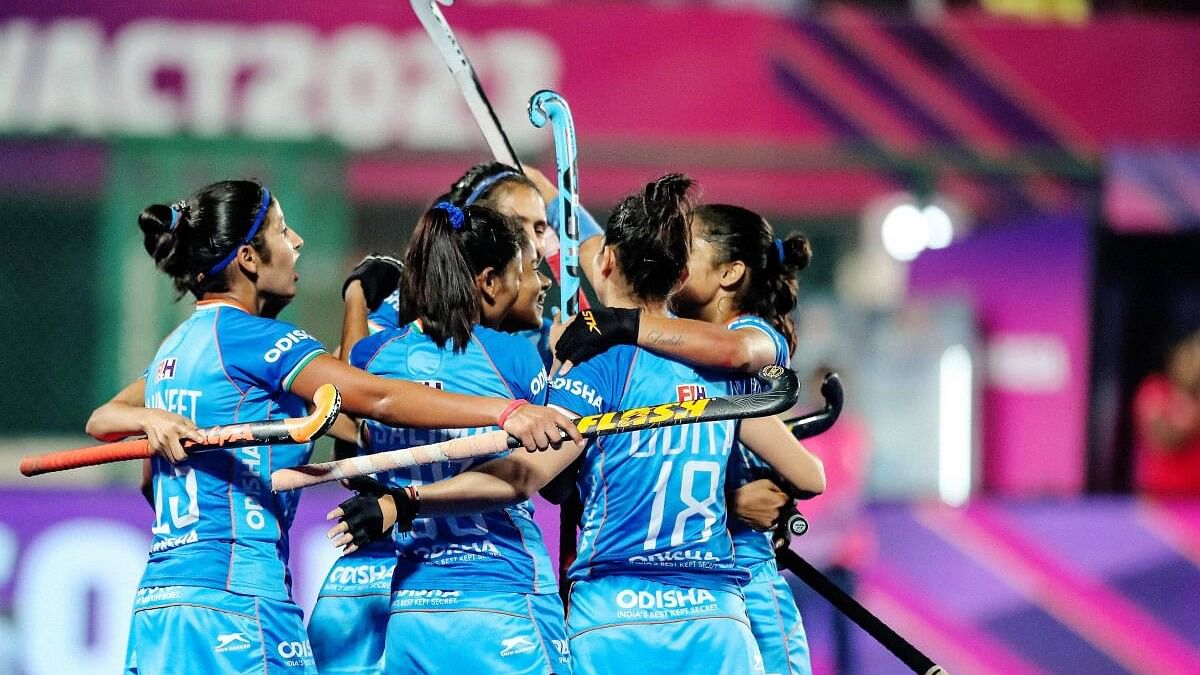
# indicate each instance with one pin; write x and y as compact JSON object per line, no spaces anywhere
{"x":361,"y":513}
{"x":595,"y":330}
{"x":379,"y":275}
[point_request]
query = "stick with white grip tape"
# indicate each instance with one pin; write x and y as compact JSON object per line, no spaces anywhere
{"x":327,"y":402}
{"x":780,"y":394}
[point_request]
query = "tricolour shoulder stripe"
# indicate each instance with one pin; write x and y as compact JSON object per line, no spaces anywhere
{"x":291,"y":376}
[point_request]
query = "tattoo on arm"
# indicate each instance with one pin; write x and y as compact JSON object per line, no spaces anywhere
{"x":658,"y":338}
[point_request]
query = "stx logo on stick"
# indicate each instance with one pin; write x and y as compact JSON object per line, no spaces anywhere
{"x":658,"y":414}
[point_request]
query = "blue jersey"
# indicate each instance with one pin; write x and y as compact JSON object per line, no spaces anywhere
{"x":540,"y":339}
{"x":387,"y":315}
{"x":654,"y":501}
{"x":499,"y":550}
{"x":751,"y":545}
{"x":217,"y":523}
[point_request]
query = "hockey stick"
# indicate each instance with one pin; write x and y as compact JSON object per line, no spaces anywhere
{"x":807,"y":426}
{"x":844,"y":603}
{"x":549,"y":107}
{"x":468,"y":82}
{"x":816,"y":423}
{"x":782,"y":390}
{"x":328,"y":402}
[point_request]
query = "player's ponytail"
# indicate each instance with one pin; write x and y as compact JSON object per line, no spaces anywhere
{"x":771,"y":264}
{"x":449,"y":247}
{"x":193,"y":239}
{"x":651,"y":235}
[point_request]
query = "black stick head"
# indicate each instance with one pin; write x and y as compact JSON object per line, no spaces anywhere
{"x":819,"y":422}
{"x":783,"y":388}
{"x":831,"y":391}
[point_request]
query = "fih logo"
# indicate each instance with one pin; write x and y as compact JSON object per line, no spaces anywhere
{"x":689,"y":392}
{"x":516,"y":645}
{"x":165,"y":370}
{"x":231,"y":642}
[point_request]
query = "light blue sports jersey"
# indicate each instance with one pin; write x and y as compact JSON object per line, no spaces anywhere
{"x":499,"y":550}
{"x":217,"y":523}
{"x":540,"y":339}
{"x":750,"y":545}
{"x":654,"y":501}
{"x":387,"y":315}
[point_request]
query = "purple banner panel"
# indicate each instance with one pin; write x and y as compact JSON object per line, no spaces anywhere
{"x":1034,"y":588}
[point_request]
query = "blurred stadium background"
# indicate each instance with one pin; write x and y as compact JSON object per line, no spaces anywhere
{"x":1003,"y":198}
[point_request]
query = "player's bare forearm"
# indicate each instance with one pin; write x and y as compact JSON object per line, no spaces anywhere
{"x":396,"y":402}
{"x":706,"y":344}
{"x":770,"y":439}
{"x":344,"y":429}
{"x":497,"y":483}
{"x":122,"y":416}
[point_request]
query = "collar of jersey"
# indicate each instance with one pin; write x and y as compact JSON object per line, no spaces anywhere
{"x":417,"y":324}
{"x":222,"y":302}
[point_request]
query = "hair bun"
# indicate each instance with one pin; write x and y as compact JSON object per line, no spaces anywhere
{"x":155,"y":220}
{"x":797,"y":252}
{"x":669,"y":192}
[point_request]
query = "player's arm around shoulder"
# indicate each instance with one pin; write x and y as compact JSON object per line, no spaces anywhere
{"x":708,"y":345}
{"x":697,"y":343}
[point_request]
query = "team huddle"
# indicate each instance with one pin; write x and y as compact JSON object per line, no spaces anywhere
{"x":443,"y":567}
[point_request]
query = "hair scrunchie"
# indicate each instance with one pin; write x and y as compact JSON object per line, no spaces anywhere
{"x":176,"y":214}
{"x":779,"y":250}
{"x":455,"y":214}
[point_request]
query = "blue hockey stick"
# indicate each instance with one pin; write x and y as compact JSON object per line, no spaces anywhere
{"x":545,"y":107}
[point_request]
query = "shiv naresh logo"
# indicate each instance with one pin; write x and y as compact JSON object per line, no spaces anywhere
{"x":229,"y":642}
{"x":772,"y":372}
{"x":516,"y":645}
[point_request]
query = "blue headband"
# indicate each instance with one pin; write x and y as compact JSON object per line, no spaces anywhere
{"x":455,"y":213}
{"x":486,"y":184}
{"x":258,"y":221}
{"x":779,"y":250}
{"x":174,"y":219}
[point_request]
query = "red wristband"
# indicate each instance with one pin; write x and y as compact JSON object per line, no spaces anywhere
{"x":415,"y":498}
{"x":508,"y":410}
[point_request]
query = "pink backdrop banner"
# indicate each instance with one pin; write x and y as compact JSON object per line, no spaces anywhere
{"x":754,"y":104}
